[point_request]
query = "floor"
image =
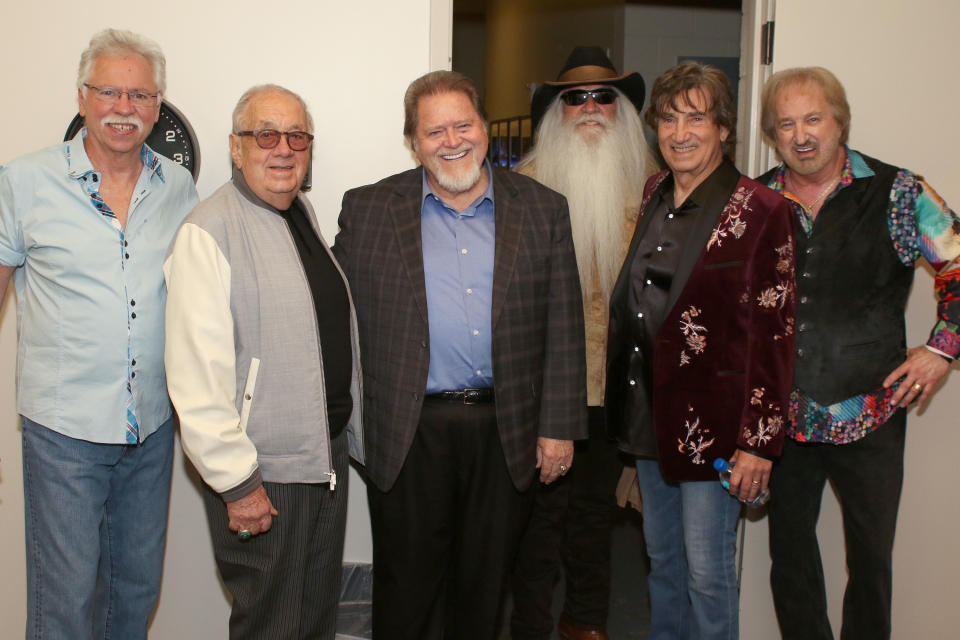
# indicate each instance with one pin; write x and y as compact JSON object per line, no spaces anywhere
{"x":629,"y":608}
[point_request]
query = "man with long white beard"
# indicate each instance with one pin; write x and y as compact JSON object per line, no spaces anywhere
{"x":590,"y":147}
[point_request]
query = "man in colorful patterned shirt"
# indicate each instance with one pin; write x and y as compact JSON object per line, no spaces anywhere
{"x":862,"y":226}
{"x":84,"y":226}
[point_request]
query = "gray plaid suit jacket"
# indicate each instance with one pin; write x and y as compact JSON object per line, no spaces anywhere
{"x":538,"y":341}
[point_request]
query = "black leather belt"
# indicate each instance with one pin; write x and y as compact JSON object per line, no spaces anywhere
{"x":467,"y":396}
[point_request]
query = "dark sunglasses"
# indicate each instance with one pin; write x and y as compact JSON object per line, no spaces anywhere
{"x":576,"y":97}
{"x":269,"y":138}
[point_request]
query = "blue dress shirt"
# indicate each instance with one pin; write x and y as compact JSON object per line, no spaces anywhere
{"x":90,"y":297}
{"x":458,"y":272}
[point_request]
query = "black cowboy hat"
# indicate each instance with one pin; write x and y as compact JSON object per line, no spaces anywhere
{"x":586,"y":65}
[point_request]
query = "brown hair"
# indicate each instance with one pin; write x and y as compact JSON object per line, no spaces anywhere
{"x":435,"y":83}
{"x":672,"y":89}
{"x":804,"y":76}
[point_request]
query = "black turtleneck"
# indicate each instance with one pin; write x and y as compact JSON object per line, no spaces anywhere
{"x":330,"y":302}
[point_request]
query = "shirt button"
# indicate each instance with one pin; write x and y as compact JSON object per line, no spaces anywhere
{"x":805,"y":274}
{"x":133,"y":375}
{"x":133,"y":303}
{"x":469,"y":291}
{"x":479,"y":372}
{"x":247,"y":396}
{"x":640,"y":315}
{"x":809,"y":250}
{"x":799,"y":353}
{"x":803,"y":299}
{"x":423,"y":343}
{"x":659,"y":248}
{"x":124,"y":243}
{"x":635,"y":349}
{"x":127,"y":256}
{"x":133,"y":363}
{"x":463,"y":251}
{"x":476,"y":332}
{"x":633,"y":383}
{"x":669,"y":216}
{"x":649,"y":282}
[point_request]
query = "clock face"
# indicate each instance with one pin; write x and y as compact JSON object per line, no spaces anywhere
{"x":172,"y":137}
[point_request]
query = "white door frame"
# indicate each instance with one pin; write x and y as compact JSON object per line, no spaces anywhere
{"x":753,"y":156}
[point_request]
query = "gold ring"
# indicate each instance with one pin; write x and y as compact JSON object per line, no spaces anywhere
{"x":755,"y":482}
{"x":917,"y":386}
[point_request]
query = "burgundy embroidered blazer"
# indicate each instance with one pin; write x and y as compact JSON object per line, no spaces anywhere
{"x":723,"y":357}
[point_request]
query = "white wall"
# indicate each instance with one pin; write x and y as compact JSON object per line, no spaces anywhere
{"x":654,"y":36}
{"x":896,"y":60}
{"x":351,"y":61}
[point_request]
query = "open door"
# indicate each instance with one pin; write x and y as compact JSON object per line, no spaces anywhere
{"x":756,"y":64}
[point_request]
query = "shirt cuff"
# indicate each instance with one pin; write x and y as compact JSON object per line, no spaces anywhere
{"x":939,"y":353}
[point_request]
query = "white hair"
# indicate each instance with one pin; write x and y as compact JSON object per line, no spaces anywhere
{"x":117,"y":42}
{"x":240,"y":111}
{"x":602,"y":176}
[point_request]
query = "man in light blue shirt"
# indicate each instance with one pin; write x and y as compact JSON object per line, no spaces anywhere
{"x":84,"y":227}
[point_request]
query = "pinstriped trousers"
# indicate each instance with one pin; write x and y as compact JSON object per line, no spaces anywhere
{"x":285,"y":583}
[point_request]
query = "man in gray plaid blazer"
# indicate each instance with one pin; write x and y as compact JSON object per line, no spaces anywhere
{"x":471,"y":330}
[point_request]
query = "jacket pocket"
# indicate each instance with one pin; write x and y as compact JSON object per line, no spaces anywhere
{"x":248,"y":391}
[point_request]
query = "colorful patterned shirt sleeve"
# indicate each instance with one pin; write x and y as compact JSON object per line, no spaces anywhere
{"x":931,"y":232}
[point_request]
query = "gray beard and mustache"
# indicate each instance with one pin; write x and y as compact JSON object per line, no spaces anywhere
{"x":601,"y":172}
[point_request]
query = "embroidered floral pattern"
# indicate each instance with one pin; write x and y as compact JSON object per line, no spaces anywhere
{"x":774,"y":296}
{"x":696,"y":440}
{"x":731,"y":222}
{"x":767,"y":429}
{"x":767,"y":426}
{"x":785,"y":263}
{"x":693,"y":333}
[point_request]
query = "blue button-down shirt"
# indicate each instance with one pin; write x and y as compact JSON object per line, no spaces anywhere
{"x":458,"y":271}
{"x":90,"y":297}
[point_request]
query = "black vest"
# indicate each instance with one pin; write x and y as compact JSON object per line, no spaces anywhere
{"x":852,"y":292}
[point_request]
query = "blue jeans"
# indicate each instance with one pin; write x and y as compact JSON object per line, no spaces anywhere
{"x":96,"y":520}
{"x":691,"y":537}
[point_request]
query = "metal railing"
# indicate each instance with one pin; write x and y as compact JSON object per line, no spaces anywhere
{"x":510,"y":138}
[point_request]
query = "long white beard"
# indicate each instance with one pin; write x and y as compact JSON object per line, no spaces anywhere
{"x":602,"y":174}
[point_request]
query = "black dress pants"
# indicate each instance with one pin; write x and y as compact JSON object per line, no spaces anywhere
{"x":867,"y":475}
{"x":285,"y":583}
{"x":570,"y":525}
{"x":445,"y":534}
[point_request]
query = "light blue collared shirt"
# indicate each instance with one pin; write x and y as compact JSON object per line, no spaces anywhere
{"x":458,"y":271}
{"x":90,"y":298}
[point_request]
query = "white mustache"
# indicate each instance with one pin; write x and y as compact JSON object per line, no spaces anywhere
{"x":131,"y":120}
{"x":598,"y":118}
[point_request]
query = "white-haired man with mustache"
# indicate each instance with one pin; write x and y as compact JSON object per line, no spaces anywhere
{"x":84,"y":226}
{"x":590,"y":147}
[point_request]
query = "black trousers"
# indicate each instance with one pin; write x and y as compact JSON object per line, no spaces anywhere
{"x":445,"y":534}
{"x":285,"y":583}
{"x":570,"y":525}
{"x":867,"y":475}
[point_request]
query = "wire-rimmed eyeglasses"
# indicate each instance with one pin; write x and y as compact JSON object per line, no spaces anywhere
{"x":137,"y":97}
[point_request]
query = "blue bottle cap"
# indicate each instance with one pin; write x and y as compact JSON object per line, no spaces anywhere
{"x":720,"y":465}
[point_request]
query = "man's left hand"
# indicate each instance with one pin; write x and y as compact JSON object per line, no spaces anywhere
{"x":921,"y":372}
{"x":554,"y":458}
{"x":750,"y":475}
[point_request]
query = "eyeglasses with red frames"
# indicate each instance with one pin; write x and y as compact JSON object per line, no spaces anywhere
{"x":270,"y":138}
